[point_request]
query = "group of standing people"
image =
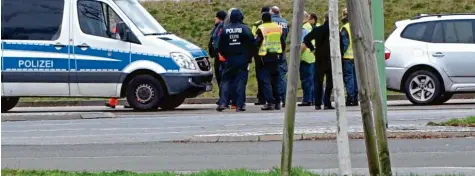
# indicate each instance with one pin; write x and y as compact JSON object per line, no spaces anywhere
{"x":233,"y":45}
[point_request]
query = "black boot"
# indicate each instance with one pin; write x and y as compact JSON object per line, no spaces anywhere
{"x":305,"y":104}
{"x":277,"y":106}
{"x":240,"y":109}
{"x":221,"y":108}
{"x":318,"y":107}
{"x":268,"y":107}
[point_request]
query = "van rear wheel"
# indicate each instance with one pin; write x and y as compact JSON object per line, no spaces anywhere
{"x":144,"y":93}
{"x":172,"y":102}
{"x":9,"y":103}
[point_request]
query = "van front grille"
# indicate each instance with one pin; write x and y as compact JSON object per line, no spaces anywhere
{"x":203,"y":63}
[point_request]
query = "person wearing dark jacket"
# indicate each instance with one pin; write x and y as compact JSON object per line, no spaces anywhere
{"x":271,"y":43}
{"x":321,"y":35}
{"x":236,"y":46}
{"x":212,"y":44}
{"x":258,"y":62}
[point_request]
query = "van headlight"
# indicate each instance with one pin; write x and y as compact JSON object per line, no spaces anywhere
{"x":183,"y":61}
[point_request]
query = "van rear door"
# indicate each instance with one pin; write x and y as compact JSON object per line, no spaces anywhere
{"x":35,"y":36}
{"x":98,"y":49}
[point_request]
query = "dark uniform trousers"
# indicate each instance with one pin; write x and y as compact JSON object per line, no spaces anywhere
{"x":234,"y":80}
{"x":321,"y":73}
{"x":271,"y":78}
{"x":258,"y":68}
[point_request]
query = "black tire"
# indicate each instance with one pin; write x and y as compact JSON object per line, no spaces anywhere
{"x":434,"y":83}
{"x":172,"y":102}
{"x":9,"y":103}
{"x":444,"y":98}
{"x":144,"y":93}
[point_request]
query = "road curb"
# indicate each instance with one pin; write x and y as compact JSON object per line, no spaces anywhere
{"x":332,"y":136}
{"x":12,"y":117}
{"x":187,"y":101}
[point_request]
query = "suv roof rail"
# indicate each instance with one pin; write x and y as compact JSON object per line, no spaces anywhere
{"x":419,"y":16}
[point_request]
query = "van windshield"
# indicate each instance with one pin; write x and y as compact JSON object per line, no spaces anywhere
{"x":140,"y":17}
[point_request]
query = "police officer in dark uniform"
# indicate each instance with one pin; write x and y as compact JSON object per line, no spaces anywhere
{"x":235,"y":45}
{"x":258,"y":62}
{"x":277,"y":18}
{"x":212,"y":45}
{"x":271,"y":43}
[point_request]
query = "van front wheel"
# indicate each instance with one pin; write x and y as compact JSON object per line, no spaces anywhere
{"x":144,"y":92}
{"x":172,"y":102}
{"x":9,"y":103}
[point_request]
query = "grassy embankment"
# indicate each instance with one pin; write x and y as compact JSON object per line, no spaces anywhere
{"x":241,"y":172}
{"x":194,"y":20}
{"x":465,"y":122}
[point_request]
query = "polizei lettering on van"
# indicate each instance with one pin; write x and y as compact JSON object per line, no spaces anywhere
{"x":35,"y":63}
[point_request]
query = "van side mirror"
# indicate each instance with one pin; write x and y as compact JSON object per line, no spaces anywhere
{"x":125,"y":33}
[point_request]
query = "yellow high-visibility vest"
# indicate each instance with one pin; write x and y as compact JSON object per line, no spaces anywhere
{"x":271,"y":33}
{"x":349,"y":52}
{"x":307,"y":56}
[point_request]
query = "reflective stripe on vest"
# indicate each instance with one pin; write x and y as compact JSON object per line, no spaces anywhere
{"x":271,"y":33}
{"x":349,"y":51}
{"x":307,"y":56}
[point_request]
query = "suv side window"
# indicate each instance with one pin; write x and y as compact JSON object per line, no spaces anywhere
{"x":32,"y":19}
{"x":417,"y":31}
{"x":438,"y":33}
{"x":98,"y":19}
{"x":460,"y":31}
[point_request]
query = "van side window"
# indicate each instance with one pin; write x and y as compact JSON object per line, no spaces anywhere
{"x":32,"y":19}
{"x":98,"y":19}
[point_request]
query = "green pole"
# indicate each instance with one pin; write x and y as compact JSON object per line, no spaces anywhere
{"x":378,"y":36}
{"x":377,"y":15}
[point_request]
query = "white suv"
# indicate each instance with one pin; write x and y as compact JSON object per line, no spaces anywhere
{"x":432,"y":57}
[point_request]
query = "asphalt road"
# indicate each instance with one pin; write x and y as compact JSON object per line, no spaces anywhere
{"x":165,"y":127}
{"x":440,"y":153}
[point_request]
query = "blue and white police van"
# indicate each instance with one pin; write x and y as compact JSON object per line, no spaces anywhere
{"x":96,"y":48}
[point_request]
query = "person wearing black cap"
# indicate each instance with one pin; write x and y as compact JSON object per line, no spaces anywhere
{"x":235,"y":45}
{"x":271,"y":43}
{"x":258,"y":61}
{"x":212,"y":45}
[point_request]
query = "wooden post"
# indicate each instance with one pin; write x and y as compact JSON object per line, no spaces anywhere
{"x":344,"y":159}
{"x":292,"y":86}
{"x":370,"y":92}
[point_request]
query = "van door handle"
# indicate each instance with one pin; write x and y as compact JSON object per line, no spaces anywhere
{"x":59,"y":45}
{"x":83,"y":46}
{"x":438,"y":54}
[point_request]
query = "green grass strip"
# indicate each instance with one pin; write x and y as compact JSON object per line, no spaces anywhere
{"x":465,"y":122}
{"x":236,"y":172}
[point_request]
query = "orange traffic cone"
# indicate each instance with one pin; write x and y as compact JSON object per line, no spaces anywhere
{"x":112,"y":102}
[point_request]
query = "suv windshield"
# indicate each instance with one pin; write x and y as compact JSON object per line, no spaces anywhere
{"x":140,"y":17}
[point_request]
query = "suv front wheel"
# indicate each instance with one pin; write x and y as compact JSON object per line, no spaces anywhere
{"x":423,"y":88}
